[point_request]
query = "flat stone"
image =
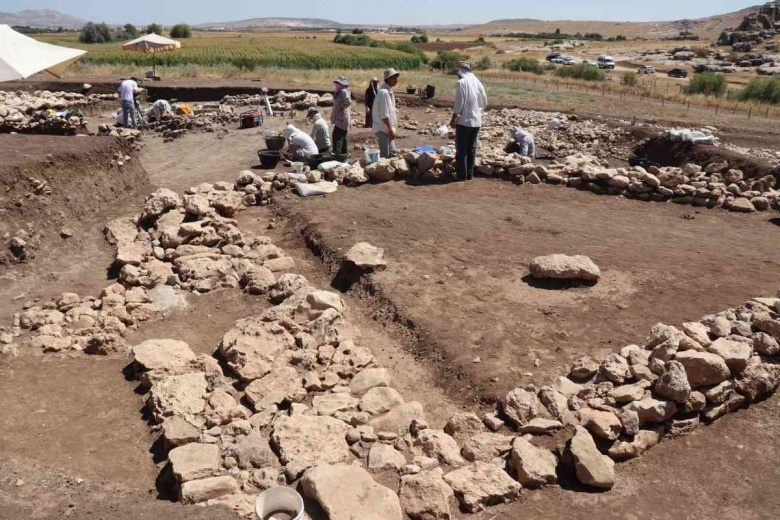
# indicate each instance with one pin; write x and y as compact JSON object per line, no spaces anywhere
{"x":703,"y":368}
{"x":604,"y":425}
{"x":383,"y":456}
{"x":627,"y":393}
{"x":480,"y":485}
{"x":440,"y":446}
{"x":347,"y":491}
{"x":643,"y":441}
{"x":367,"y":379}
{"x":330,"y":404}
{"x":163,"y":354}
{"x":563,"y":267}
{"x":251,"y":347}
{"x":379,"y":400}
{"x":520,"y":406}
{"x":304,"y":441}
{"x":426,"y":496}
{"x":254,"y":451}
{"x":193,"y":461}
{"x":181,"y":395}
{"x":681,"y":427}
{"x":486,"y":446}
{"x":652,"y":410}
{"x":178,"y":432}
{"x":592,"y":468}
{"x":535,"y":467}
{"x":399,"y":418}
{"x":461,"y":426}
{"x":197,"y":491}
{"x":366,"y":257}
{"x":735,"y":353}
{"x":758,"y":380}
{"x":698,"y":332}
{"x":280,"y":385}
{"x":541,"y":426}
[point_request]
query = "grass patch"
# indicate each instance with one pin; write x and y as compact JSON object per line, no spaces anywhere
{"x":583,"y":72}
{"x":525,"y":64}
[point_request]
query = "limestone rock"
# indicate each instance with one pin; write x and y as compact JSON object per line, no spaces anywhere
{"x":253,"y":451}
{"x":584,"y":368}
{"x":380,"y":400}
{"x":347,"y":491}
{"x":438,"y":445}
{"x":758,"y":380}
{"x":426,"y":496}
{"x":563,"y":267}
{"x":604,"y":425}
{"x":178,"y":432}
{"x":592,"y":468}
{"x":486,"y":447}
{"x":193,"y":461}
{"x":197,"y":491}
{"x":367,"y":379}
{"x":304,"y":441}
{"x":181,"y":395}
{"x":283,"y":384}
{"x":330,"y":404}
{"x":480,"y":485}
{"x":735,"y":353}
{"x":463,"y":425}
{"x":383,"y":456}
{"x":251,"y":347}
{"x":673,"y":382}
{"x":642,"y":442}
{"x":366,"y":257}
{"x":163,"y":355}
{"x":535,"y":467}
{"x":520,"y":406}
{"x":399,"y":418}
{"x":652,"y":410}
{"x":703,"y":368}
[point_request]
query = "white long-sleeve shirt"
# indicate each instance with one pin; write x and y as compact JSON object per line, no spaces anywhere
{"x":300,"y":141}
{"x":384,"y":108}
{"x":320,"y":134}
{"x":470,"y":101}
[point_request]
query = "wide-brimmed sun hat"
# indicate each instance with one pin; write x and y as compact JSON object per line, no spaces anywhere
{"x":389,"y":73}
{"x":342,"y":80}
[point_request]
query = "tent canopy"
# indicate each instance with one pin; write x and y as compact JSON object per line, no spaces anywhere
{"x":22,"y":56}
{"x":151,"y":43}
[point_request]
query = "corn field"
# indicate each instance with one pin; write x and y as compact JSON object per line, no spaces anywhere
{"x":250,"y":52}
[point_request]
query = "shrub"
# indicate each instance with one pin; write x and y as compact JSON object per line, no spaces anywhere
{"x":95,"y":33}
{"x":420,"y":38}
{"x":628,"y":79}
{"x":707,"y":83}
{"x":411,"y":49}
{"x":761,"y":90}
{"x":701,"y":52}
{"x":525,"y":64}
{"x":581,"y":72}
{"x":448,"y":60}
{"x":483,"y":64}
{"x":154,"y":29}
{"x":181,"y":30}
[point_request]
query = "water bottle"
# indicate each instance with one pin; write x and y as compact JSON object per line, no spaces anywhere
{"x":366,"y":145}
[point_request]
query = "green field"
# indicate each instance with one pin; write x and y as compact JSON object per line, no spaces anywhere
{"x":247,"y":52}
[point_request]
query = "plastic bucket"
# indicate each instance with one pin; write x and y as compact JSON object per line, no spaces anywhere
{"x":372,"y":155}
{"x":297,"y":167}
{"x":279,"y":500}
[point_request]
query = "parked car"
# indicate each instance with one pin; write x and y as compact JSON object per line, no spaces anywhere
{"x":606,"y":62}
{"x":568,"y":60}
{"x":558,"y":60}
{"x":590,"y":63}
{"x":678,"y":73}
{"x":646,"y":69}
{"x":552,"y":57}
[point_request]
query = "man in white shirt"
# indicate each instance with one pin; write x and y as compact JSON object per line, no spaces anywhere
{"x":470,"y":102}
{"x":385,"y":115}
{"x":523,"y":142}
{"x":301,"y":145}
{"x":319,"y":130}
{"x":127,"y":92}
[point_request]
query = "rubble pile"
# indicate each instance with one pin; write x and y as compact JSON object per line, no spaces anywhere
{"x":755,"y":28}
{"x":44,"y":111}
{"x":205,"y":118}
{"x":282,"y":101}
{"x":557,"y":134}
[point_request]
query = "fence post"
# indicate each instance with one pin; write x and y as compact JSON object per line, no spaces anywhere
{"x":750,"y":112}
{"x":767,"y":112}
{"x":735,"y":106}
{"x":717,"y":107}
{"x":689,"y":104}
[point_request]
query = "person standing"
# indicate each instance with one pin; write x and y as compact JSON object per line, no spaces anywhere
{"x":128,"y":89}
{"x":370,"y":97}
{"x":319,"y":130}
{"x":341,"y":117}
{"x":470,"y":103}
{"x":384,"y":114}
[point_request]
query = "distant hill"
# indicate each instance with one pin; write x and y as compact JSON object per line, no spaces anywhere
{"x":42,"y":19}
{"x":275,"y":23}
{"x":515,"y":20}
{"x":708,"y":28}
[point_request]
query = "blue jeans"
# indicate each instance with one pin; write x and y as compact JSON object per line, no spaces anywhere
{"x":386,"y":145}
{"x":465,"y":151}
{"x":128,"y":114}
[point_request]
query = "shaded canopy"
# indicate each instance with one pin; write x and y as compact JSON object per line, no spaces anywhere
{"x":151,"y":43}
{"x":22,"y":56}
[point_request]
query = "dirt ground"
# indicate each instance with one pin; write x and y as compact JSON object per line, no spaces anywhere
{"x":458,"y":255}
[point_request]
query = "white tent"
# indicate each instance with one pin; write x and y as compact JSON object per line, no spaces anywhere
{"x":22,"y":56}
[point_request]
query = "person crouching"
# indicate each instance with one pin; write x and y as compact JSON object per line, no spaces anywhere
{"x":522,"y":142}
{"x":319,"y":130}
{"x":301,"y":145}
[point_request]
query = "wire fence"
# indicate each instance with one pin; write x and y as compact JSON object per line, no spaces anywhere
{"x":645,"y":90}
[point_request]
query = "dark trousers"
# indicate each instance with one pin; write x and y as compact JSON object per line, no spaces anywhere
{"x":369,"y":119}
{"x":465,"y":151}
{"x":340,"y":141}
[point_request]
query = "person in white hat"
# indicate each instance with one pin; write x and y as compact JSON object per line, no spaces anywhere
{"x":319,"y":130}
{"x":300,"y":144}
{"x":340,"y":118}
{"x":385,"y":115}
{"x":470,"y":103}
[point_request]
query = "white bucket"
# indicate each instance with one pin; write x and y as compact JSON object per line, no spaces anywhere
{"x":372,"y":155}
{"x":279,"y":500}
{"x":297,"y":167}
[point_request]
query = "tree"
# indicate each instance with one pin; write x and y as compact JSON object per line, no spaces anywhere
{"x":131,"y":32}
{"x":557,"y":33}
{"x":181,"y":30}
{"x":154,"y":29}
{"x":95,"y":33}
{"x":357,"y":31}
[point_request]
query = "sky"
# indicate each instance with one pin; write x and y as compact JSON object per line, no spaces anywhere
{"x":378,"y":12}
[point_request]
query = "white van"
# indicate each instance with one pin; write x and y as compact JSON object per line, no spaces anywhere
{"x":606,"y":62}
